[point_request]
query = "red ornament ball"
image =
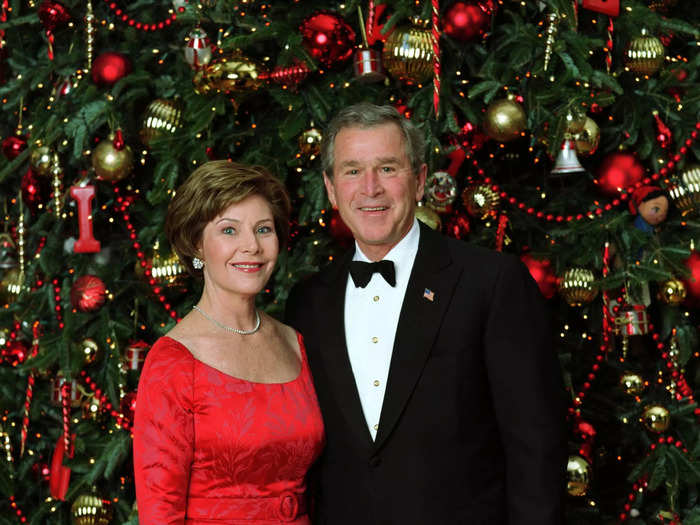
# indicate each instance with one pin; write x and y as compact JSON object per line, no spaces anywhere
{"x":467,"y":21}
{"x":458,"y":226}
{"x":127,"y":406}
{"x":542,"y":272}
{"x":619,"y":170}
{"x":15,"y":352}
{"x":88,"y":293}
{"x":110,"y":67}
{"x":339,"y":230}
{"x":35,"y":190}
{"x":692,"y":284}
{"x":327,"y":37}
{"x":13,"y":145}
{"x":53,"y":14}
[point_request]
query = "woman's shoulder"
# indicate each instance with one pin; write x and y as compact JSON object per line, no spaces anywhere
{"x":286,"y":332}
{"x":168,"y":358}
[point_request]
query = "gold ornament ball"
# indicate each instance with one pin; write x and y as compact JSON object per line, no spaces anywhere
{"x":575,"y":121}
{"x":91,"y":408}
{"x":504,"y":120}
{"x":310,"y":142}
{"x":686,"y":195}
{"x":632,"y":383}
{"x":110,"y":163}
{"x":89,"y":350}
{"x":587,"y":140}
{"x":644,"y":55}
{"x":576,"y":286}
{"x":578,"y":476}
{"x":233,"y":73}
{"x":168,"y":271}
{"x":428,"y":216}
{"x":656,"y":418}
{"x":10,"y":286}
{"x":408,"y":55}
{"x":480,"y":200}
{"x":162,"y":117}
{"x":672,"y":292}
{"x":89,"y":509}
{"x":42,"y":159}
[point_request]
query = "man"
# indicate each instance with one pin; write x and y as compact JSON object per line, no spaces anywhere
{"x":441,"y":395}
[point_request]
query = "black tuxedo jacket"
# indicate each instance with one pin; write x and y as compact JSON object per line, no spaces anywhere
{"x":472,"y":428}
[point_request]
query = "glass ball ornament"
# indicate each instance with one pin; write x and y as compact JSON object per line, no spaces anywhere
{"x":644,"y":54}
{"x":42,"y":159}
{"x":310,"y":142}
{"x":578,"y":476}
{"x":90,"y":509}
{"x":88,"y":293}
{"x":408,"y":55}
{"x":656,"y":418}
{"x":672,"y":292}
{"x":440,"y":191}
{"x":10,"y":286}
{"x":576,"y":286}
{"x":327,"y":37}
{"x":467,"y":20}
{"x":89,"y":350}
{"x":619,"y":170}
{"x":110,"y":67}
{"x":686,"y":194}
{"x":161,"y":118}
{"x":587,"y":140}
{"x":504,"y":120}
{"x":13,"y":145}
{"x":232,"y":74}
{"x":110,"y":163}
{"x":632,"y":383}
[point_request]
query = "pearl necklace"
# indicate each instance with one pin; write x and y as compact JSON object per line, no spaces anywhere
{"x":228,"y":328}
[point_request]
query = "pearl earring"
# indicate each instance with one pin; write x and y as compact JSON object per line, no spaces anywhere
{"x":197,"y":263}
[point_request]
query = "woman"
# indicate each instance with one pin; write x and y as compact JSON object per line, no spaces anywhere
{"x":227,"y":422}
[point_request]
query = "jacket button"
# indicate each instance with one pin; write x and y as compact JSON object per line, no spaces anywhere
{"x":375,"y":461}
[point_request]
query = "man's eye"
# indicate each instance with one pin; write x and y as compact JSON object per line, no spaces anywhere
{"x":352,"y":172}
{"x":388,"y":169}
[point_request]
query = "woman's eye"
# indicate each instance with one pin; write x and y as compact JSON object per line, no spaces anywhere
{"x":264,"y":229}
{"x":228,"y":230}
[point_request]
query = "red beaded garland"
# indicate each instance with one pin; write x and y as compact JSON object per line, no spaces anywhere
{"x":140,"y":25}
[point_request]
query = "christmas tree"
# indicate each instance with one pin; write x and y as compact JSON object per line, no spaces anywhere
{"x":558,"y":130}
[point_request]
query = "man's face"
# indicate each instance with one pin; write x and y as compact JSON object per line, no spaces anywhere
{"x":654,"y":210}
{"x":373,"y":186}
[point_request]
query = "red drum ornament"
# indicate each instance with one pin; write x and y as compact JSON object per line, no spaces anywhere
{"x":75,"y":396}
{"x":88,"y":293}
{"x":467,"y":21}
{"x":109,"y":68}
{"x":367,"y":65}
{"x":327,"y":37}
{"x":619,"y":171}
{"x":135,"y":355}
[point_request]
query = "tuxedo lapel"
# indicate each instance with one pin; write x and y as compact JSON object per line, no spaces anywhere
{"x":341,"y":380}
{"x":427,"y":296}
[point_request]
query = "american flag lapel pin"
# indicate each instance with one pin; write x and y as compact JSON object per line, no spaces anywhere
{"x":429,"y":295}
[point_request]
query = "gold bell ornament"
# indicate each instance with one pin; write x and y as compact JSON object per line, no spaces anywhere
{"x":428,"y":216}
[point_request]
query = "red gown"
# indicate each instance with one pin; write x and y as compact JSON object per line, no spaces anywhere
{"x":210,"y":448}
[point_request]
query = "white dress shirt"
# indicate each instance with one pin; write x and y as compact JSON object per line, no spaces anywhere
{"x":371,"y":318}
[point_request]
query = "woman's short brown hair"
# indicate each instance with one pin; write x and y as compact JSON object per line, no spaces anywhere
{"x":212,"y":188}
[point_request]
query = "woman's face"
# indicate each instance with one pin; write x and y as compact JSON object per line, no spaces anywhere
{"x":239,"y":247}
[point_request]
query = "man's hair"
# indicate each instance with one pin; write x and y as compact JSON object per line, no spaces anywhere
{"x":212,"y":188}
{"x":366,"y":115}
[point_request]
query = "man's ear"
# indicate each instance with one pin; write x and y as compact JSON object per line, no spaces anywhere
{"x":330,"y":190}
{"x":420,"y":187}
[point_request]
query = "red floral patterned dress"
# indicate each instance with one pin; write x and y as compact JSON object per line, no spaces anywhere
{"x":210,"y":448}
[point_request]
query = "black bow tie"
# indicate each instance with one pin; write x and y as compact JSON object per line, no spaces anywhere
{"x":361,"y":272}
